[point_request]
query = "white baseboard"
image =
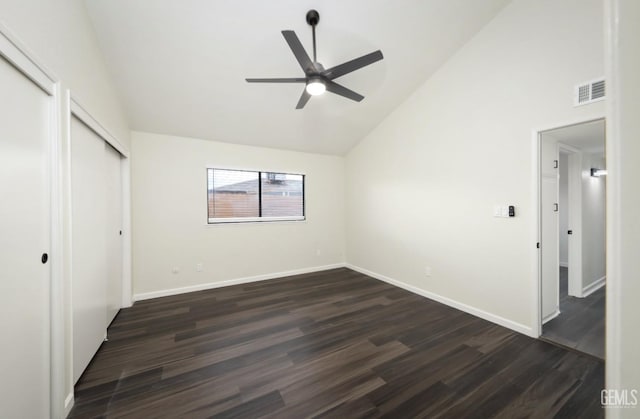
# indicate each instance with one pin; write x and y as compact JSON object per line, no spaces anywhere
{"x":518,"y":327}
{"x":227,"y":283}
{"x":68,"y":404}
{"x":551,"y":316}
{"x":564,"y":264}
{"x":593,"y":287}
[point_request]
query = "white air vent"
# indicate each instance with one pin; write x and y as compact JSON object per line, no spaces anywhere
{"x":590,"y":92}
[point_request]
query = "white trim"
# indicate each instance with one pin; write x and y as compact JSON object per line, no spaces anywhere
{"x":83,"y":115}
{"x":68,"y":222}
{"x":251,"y":169}
{"x":69,"y":401}
{"x":127,"y":283}
{"x":613,"y":324}
{"x":57,"y":287}
{"x":229,"y":282}
{"x":551,"y":316}
{"x":14,"y":51}
{"x":518,"y":327}
{"x":253,"y":219}
{"x":536,"y":265}
{"x":594,"y":286}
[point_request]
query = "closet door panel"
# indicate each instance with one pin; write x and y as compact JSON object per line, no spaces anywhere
{"x":25,"y":112}
{"x":89,"y":262}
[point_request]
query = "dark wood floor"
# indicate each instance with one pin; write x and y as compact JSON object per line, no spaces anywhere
{"x":580,"y":324}
{"x":329,"y":344}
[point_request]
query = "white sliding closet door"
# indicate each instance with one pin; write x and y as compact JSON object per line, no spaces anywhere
{"x":96,"y":190}
{"x":113,"y":231}
{"x":89,"y":262}
{"x":24,"y":237}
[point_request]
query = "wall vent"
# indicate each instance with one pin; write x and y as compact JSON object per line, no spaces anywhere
{"x":589,"y":92}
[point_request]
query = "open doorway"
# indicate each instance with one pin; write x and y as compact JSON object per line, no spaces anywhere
{"x":572,"y":224}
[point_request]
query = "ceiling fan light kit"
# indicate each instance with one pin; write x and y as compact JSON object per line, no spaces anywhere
{"x":316,"y":86}
{"x":318,"y":80}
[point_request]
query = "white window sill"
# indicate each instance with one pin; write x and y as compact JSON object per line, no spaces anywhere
{"x":243,"y":220}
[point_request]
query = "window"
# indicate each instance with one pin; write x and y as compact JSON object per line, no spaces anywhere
{"x":243,"y":196}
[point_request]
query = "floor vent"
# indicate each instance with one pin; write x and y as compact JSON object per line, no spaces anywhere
{"x":590,"y":92}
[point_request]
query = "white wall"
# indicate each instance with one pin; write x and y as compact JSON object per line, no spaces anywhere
{"x":623,"y":199}
{"x":170,"y":211}
{"x":60,"y":34}
{"x":593,"y":220}
{"x":563,"y":200}
{"x":421,"y":187}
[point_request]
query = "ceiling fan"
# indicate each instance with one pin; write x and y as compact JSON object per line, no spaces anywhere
{"x":317,"y":79}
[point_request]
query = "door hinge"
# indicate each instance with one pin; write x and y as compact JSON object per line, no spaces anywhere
{"x":555,"y":164}
{"x":538,"y":245}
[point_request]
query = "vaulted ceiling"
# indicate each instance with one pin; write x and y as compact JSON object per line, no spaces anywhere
{"x":180,"y":66}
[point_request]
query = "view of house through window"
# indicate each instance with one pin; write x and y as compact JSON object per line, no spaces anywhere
{"x":241,"y":195}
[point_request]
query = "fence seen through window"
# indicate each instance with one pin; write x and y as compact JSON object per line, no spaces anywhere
{"x":245,"y":196}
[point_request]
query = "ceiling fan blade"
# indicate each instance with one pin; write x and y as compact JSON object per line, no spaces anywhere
{"x":303,"y":99}
{"x":286,"y":80}
{"x":334,"y":87}
{"x":353,"y":65}
{"x":299,"y":52}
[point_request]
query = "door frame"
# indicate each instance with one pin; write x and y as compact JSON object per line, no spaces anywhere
{"x":536,"y":232}
{"x":574,"y":209}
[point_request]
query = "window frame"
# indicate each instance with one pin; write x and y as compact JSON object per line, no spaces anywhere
{"x":260,"y":218}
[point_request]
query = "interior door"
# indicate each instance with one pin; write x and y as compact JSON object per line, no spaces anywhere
{"x":24,"y":238}
{"x":113,"y":231}
{"x":89,"y":262}
{"x":549,"y":228}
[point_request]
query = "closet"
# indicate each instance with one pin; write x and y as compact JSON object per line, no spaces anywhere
{"x":96,"y":201}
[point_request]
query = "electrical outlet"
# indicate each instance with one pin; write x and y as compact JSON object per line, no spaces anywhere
{"x":199,"y":267}
{"x":175,"y":269}
{"x":427,"y":270}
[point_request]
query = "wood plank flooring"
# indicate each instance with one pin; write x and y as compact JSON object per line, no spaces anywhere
{"x":580,"y":324}
{"x":329,"y":344}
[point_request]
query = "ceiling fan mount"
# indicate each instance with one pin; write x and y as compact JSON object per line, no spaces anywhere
{"x":317,"y":79}
{"x":313,"y":17}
